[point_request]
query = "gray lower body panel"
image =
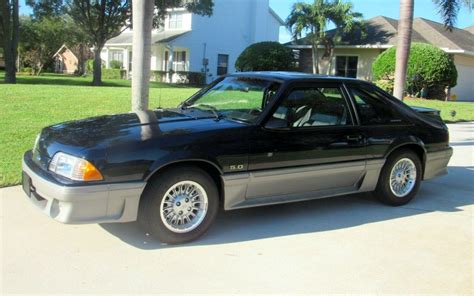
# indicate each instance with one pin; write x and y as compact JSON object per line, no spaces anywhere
{"x":85,"y":204}
{"x":296,"y":184}
{"x":437,"y":163}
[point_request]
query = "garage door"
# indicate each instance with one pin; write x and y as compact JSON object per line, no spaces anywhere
{"x":464,"y":90}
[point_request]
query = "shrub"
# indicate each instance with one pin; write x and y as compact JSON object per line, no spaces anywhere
{"x":192,"y":78}
{"x":116,"y":64}
{"x":266,"y":56}
{"x":183,"y":77}
{"x":27,"y":71}
{"x":158,"y":76}
{"x":89,"y":66}
{"x":428,"y":67}
{"x":386,"y":84}
{"x":113,"y":73}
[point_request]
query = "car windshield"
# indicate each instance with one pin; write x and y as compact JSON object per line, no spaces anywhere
{"x":238,"y":98}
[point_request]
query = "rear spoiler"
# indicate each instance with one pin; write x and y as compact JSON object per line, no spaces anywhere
{"x":428,"y":112}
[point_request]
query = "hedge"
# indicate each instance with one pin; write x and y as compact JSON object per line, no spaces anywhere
{"x":429,"y":68}
{"x":183,"y":77}
{"x":266,"y":56}
{"x":113,"y":74}
{"x":115,"y":64}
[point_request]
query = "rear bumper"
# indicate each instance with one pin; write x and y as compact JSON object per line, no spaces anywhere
{"x":437,"y":163}
{"x":82,"y":204}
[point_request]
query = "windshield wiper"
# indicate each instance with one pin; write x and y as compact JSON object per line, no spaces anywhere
{"x":210,"y":107}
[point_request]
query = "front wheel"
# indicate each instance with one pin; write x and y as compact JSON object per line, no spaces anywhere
{"x":400,"y":178}
{"x":179,"y":205}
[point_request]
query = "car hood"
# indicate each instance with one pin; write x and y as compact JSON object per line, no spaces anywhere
{"x":98,"y":133}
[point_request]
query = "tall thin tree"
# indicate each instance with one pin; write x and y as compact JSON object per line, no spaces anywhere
{"x":142,"y":27}
{"x":405,"y":25}
{"x":448,"y":9}
{"x":10,"y":24}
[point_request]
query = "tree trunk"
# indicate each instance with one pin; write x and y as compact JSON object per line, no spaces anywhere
{"x":314,"y":49}
{"x":405,"y":27}
{"x":97,"y":76}
{"x":331,"y":56}
{"x":10,"y":25}
{"x":15,"y":30}
{"x":141,"y":59}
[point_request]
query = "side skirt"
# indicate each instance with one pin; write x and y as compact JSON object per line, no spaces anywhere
{"x":235,"y":188}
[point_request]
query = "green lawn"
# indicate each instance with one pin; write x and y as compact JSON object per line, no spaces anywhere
{"x":36,"y":102}
{"x":464,"y":110}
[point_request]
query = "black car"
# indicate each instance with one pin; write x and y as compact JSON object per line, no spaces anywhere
{"x":246,"y":140}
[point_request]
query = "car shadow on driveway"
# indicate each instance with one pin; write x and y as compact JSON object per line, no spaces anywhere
{"x":446,"y":194}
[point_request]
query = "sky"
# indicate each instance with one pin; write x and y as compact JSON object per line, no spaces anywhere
{"x":369,"y":8}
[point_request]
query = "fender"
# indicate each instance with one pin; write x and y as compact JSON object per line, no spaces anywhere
{"x":404,"y":141}
{"x":412,"y":141}
{"x":164,"y":162}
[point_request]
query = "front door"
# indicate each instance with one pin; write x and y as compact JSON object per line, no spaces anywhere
{"x":309,"y":146}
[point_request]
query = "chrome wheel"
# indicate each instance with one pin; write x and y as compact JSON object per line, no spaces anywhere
{"x":184,"y":206}
{"x":403,"y":177}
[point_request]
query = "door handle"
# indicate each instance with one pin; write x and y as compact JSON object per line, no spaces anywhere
{"x":354,"y":138}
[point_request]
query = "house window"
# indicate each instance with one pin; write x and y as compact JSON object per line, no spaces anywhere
{"x":222,"y":64}
{"x":346,"y":66}
{"x":176,"y":21}
{"x":116,"y":56}
{"x":180,"y":60}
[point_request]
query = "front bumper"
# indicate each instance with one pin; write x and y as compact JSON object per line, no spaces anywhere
{"x":84,"y":204}
{"x":437,"y":163}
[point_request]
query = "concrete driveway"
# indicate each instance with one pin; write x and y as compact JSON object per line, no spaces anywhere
{"x":349,"y":244}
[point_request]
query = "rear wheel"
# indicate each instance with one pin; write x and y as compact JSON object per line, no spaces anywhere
{"x":179,"y":205}
{"x":400,"y":178}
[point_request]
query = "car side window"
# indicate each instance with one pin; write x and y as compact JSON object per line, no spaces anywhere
{"x":314,"y":106}
{"x":372,"y":108}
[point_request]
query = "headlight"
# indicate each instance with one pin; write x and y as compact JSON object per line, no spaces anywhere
{"x":74,"y":168}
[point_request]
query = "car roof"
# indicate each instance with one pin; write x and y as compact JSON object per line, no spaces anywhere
{"x":285,"y":76}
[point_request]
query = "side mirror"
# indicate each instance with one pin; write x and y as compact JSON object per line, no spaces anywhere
{"x":276,"y":123}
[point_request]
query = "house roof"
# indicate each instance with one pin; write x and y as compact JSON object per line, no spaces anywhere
{"x":126,"y":38}
{"x":381,"y":32}
{"x":470,"y":29}
{"x":64,"y":47}
{"x":276,"y":16}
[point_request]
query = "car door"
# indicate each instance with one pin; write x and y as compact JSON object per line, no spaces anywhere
{"x":309,"y":145}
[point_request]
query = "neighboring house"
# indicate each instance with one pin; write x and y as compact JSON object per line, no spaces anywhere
{"x":193,"y":43}
{"x":354,"y":55}
{"x":65,"y":61}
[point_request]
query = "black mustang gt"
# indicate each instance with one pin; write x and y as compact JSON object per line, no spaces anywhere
{"x":246,"y":140}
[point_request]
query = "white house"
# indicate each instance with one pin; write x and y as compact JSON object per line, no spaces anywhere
{"x":193,"y":43}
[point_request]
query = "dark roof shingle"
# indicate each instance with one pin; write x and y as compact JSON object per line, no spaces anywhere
{"x":382,"y":30}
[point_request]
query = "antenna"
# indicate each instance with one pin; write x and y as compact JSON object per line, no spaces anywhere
{"x":159,"y":97}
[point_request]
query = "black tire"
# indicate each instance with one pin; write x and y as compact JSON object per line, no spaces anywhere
{"x":384,"y":193}
{"x":149,"y":211}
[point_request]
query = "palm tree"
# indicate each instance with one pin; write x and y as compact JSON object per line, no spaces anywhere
{"x":447,"y":8}
{"x":314,"y":19}
{"x":142,"y":19}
